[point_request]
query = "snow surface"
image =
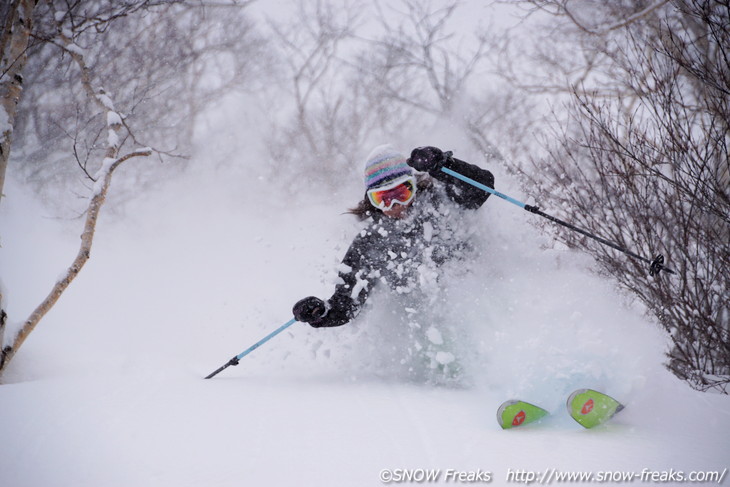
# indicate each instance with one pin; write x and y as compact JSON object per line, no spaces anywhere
{"x":108,"y":390}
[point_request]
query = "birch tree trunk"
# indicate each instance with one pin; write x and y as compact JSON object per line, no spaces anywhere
{"x":14,"y":38}
{"x":13,"y":47}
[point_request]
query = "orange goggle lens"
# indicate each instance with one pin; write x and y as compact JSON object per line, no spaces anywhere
{"x":401,"y":192}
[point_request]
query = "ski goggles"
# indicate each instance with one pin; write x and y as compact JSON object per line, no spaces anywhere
{"x":400,"y":191}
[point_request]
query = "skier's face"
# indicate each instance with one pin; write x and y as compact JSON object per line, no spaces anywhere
{"x":397,"y":211}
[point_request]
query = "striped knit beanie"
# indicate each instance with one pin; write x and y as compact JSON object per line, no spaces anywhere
{"x":384,"y":165}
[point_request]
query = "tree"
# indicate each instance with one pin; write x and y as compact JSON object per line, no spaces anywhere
{"x":93,"y":44}
{"x":642,"y":159}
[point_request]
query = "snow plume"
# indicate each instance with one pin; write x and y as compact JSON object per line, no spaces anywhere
{"x":538,"y":323}
{"x":514,"y":317}
{"x":407,"y":331}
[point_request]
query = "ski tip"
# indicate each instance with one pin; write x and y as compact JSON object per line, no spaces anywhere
{"x":501,"y":413}
{"x":591,"y":408}
{"x":515,"y":413}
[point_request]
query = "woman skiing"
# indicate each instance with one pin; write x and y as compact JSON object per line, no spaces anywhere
{"x":412,"y":210}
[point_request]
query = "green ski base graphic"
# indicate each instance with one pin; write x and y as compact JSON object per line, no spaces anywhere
{"x":591,"y":408}
{"x":588,"y":407}
{"x":512,"y":414}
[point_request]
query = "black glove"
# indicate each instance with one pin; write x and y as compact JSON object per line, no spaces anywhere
{"x":309,"y":309}
{"x":427,"y":159}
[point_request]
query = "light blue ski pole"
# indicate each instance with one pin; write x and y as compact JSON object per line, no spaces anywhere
{"x":234,"y":360}
{"x":655,"y":266}
{"x":483,"y":187}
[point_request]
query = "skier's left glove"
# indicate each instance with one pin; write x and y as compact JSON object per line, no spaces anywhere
{"x":309,"y":310}
{"x":428,"y":159}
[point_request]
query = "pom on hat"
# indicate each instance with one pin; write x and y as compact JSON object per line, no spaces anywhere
{"x":385,"y":164}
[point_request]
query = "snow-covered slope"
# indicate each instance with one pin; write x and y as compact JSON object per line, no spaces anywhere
{"x":108,"y":391}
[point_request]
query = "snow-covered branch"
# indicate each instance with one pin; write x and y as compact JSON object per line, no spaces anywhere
{"x":99,"y":97}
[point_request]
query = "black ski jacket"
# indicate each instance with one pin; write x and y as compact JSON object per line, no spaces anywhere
{"x":400,"y":252}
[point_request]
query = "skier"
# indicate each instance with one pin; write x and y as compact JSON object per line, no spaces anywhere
{"x":411,"y":209}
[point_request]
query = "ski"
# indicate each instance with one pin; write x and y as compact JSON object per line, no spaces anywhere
{"x":591,"y":408}
{"x":512,"y":414}
{"x":588,"y":407}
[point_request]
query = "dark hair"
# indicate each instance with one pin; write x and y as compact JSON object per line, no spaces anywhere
{"x":364,"y":209}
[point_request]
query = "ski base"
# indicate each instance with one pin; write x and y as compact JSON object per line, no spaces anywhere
{"x":591,"y":408}
{"x":512,"y":414}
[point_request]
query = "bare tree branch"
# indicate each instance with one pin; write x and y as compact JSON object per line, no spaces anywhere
{"x":600,"y":31}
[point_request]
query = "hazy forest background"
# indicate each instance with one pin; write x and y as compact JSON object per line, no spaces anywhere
{"x":611,"y":115}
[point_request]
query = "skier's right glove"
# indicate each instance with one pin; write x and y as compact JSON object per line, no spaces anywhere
{"x":427,"y":159}
{"x":309,"y":310}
